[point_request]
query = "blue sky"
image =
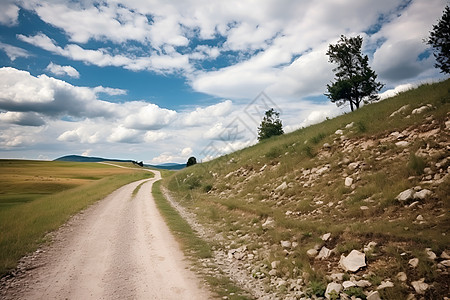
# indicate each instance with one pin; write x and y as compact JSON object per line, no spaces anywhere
{"x":160,"y":81}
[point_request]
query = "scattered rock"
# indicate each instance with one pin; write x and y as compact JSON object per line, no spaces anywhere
{"x":337,"y":276}
{"x":281,"y":187}
{"x":353,"y":166}
{"x":402,"y":144}
{"x":405,"y":195}
{"x":348,"y":181}
{"x":363,"y":283}
{"x":413,"y":262}
{"x":273,"y":272}
{"x":431,"y":255}
{"x":339,"y":132}
{"x":263,"y":168}
{"x":420,"y":286}
{"x":348,"y":284}
{"x":353,"y":262}
{"x":275,"y":264}
{"x":350,"y":125}
{"x":286,"y":244}
{"x":400,"y":110}
{"x":419,"y":218}
{"x":421,"y":109}
{"x":401,"y":276}
{"x":326,"y":146}
{"x":445,"y":255}
{"x":269,"y":223}
{"x":325,"y":237}
{"x":444,"y":263}
{"x":385,"y":284}
{"x":370,"y":246}
{"x":324,"y":253}
{"x":373,"y":296}
{"x":422,"y":194}
{"x":312,"y":252}
{"x":332,"y":286}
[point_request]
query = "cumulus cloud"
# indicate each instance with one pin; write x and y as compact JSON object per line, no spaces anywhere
{"x":150,"y":117}
{"x":63,"y":70}
{"x":13,"y":52}
{"x":22,"y":118}
{"x":109,"y":91}
{"x":9,"y":13}
{"x":204,"y":115}
{"x":167,"y":157}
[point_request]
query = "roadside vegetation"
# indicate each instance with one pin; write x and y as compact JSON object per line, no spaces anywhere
{"x":294,"y":188}
{"x":37,"y":197}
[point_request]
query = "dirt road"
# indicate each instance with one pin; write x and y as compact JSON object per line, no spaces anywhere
{"x":119,"y":248}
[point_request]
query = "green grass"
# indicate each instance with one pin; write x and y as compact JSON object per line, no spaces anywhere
{"x":30,"y":209}
{"x":228,"y":203}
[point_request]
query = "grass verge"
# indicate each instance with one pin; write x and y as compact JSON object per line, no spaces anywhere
{"x":195,"y":247}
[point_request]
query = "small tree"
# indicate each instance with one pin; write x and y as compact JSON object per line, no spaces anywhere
{"x":191,"y":161}
{"x":355,"y":81}
{"x":270,"y":125}
{"x":440,"y":42}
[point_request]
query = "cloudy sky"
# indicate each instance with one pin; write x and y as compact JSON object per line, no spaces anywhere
{"x":159,"y":80}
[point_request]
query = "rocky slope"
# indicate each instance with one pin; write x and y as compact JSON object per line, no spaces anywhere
{"x":355,"y":207}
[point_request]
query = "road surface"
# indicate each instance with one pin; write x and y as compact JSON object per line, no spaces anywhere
{"x":120,"y":248}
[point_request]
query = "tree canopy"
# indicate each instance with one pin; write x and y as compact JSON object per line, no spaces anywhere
{"x":440,"y":42}
{"x":355,"y":81}
{"x":270,"y":125}
{"x":191,"y":161}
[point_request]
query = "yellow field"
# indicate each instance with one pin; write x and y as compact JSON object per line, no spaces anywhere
{"x":37,"y":197}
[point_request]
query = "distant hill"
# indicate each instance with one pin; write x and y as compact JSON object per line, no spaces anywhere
{"x":80,"y":158}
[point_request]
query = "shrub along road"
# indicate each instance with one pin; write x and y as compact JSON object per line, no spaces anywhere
{"x":120,"y":248}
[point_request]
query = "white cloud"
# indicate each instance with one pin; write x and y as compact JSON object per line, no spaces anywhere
{"x":149,"y":117}
{"x":208,"y":114}
{"x":395,"y":91}
{"x":63,"y":70}
{"x":9,"y":13}
{"x":14,"y":52}
{"x":109,"y":91}
{"x":168,"y":157}
{"x":22,"y":118}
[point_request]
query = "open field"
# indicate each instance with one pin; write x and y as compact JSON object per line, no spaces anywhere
{"x":36,"y":197}
{"x":292,"y":188}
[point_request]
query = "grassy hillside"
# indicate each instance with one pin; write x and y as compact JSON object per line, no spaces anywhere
{"x":37,"y":197}
{"x":341,"y":177}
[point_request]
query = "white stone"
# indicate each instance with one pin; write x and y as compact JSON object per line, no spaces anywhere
{"x":275,"y":264}
{"x":431,"y":255}
{"x":401,"y":276}
{"x":400,"y":110}
{"x":445,"y":263}
{"x":333,"y":286}
{"x":325,"y":237}
{"x":402,"y":144}
{"x":348,"y":181}
{"x":263,"y":168}
{"x":363,"y":283}
{"x":282,"y":186}
{"x":373,"y":296}
{"x":286,"y":244}
{"x":269,"y":223}
{"x":337,"y":276}
{"x":422,"y":194}
{"x":339,"y":131}
{"x":294,"y":244}
{"x":350,"y":125}
{"x":348,"y":284}
{"x":419,"y":218}
{"x":420,"y":110}
{"x":420,"y":286}
{"x":273,"y":272}
{"x":445,"y":255}
{"x":312,"y":252}
{"x":353,"y":262}
{"x":413,"y":262}
{"x":405,"y":195}
{"x":364,"y":207}
{"x":324,"y":253}
{"x":385,"y":284}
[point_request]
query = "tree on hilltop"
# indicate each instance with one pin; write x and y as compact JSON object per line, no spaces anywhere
{"x":355,"y":81}
{"x":270,"y":125}
{"x":440,"y":42}
{"x":191,"y":161}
